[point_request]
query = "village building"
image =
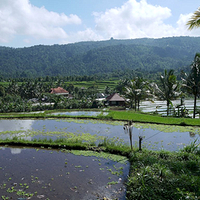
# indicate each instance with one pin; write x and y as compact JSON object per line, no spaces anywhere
{"x":59,"y":91}
{"x":115,"y":100}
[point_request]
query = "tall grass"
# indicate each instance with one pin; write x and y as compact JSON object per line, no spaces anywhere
{"x":164,"y":175}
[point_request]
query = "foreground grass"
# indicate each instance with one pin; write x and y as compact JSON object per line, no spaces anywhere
{"x":164,"y":175}
{"x":153,"y":175}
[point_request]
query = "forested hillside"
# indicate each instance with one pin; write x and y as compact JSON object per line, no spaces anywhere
{"x":146,"y":56}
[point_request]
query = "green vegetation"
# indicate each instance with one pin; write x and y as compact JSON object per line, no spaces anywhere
{"x":135,"y":91}
{"x":147,"y":118}
{"x":194,"y":20}
{"x":164,"y":175}
{"x":114,"y":58}
{"x":153,"y":175}
{"x":101,"y":85}
{"x":191,"y":82}
{"x":169,"y":88}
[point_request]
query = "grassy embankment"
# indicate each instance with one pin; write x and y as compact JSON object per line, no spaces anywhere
{"x":153,"y":175}
{"x":112,"y":115}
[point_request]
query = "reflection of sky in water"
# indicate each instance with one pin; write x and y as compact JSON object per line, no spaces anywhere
{"x":78,"y":113}
{"x":15,"y":125}
{"x":167,"y":140}
{"x":13,"y":150}
{"x":48,"y":173}
{"x":152,"y":138}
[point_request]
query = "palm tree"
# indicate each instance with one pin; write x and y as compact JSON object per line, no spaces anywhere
{"x":192,"y":81}
{"x":135,"y":91}
{"x":194,"y":21}
{"x":169,"y":88}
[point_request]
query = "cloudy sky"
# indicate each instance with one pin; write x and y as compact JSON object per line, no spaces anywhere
{"x":33,"y":22}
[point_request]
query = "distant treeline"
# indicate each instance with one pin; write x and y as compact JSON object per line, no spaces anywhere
{"x":103,"y":59}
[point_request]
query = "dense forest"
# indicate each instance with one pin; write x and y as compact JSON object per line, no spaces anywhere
{"x":112,"y":57}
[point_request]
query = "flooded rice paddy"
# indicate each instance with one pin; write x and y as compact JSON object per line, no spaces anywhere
{"x":79,"y":113}
{"x":49,"y":174}
{"x":161,"y":106}
{"x":28,"y":173}
{"x":155,"y":137}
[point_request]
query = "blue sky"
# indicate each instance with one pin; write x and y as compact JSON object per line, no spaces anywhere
{"x":25,"y":23}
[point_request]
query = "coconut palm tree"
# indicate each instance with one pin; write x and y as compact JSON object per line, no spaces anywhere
{"x":194,"y":21}
{"x":192,"y":81}
{"x":135,"y":91}
{"x":169,"y":89}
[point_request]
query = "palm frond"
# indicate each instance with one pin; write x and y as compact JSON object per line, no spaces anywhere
{"x":194,"y":21}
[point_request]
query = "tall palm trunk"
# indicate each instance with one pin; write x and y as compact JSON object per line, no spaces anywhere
{"x":195,"y":104}
{"x":195,"y":99}
{"x":167,"y":107}
{"x":138,"y":104}
{"x":135,"y":104}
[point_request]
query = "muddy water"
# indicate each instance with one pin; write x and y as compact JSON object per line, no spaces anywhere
{"x":49,"y":174}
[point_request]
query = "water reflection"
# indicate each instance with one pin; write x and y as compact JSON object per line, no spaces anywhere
{"x":12,"y":150}
{"x":15,"y":125}
{"x":153,"y":138}
{"x":192,"y":134}
{"x":60,"y":175}
{"x":160,"y":106}
{"x":79,"y":113}
{"x":15,"y":150}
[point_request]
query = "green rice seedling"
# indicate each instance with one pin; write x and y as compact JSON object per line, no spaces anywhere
{"x":192,"y":148}
{"x":112,"y":183}
{"x":78,"y":166}
{"x":4,"y":197}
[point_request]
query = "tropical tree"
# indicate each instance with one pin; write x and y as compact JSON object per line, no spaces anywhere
{"x":135,"y":91}
{"x":2,"y":91}
{"x":121,"y":85}
{"x":169,"y":89}
{"x":192,"y":81}
{"x":194,"y":21}
{"x":13,"y":88}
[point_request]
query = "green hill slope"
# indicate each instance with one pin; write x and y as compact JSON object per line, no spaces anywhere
{"x":89,"y":58}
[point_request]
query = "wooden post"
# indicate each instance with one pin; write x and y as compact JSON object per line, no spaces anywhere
{"x":128,"y":129}
{"x":130,"y":133}
{"x":140,"y":143}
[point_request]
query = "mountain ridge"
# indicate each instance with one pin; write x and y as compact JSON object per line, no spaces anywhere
{"x":98,"y":57}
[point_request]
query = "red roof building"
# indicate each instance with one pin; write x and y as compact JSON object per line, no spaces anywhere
{"x":59,"y":91}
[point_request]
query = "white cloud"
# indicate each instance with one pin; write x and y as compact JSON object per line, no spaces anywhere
{"x":137,"y":20}
{"x":19,"y":17}
{"x":133,"y":19}
{"x":86,"y":35}
{"x":182,"y":29}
